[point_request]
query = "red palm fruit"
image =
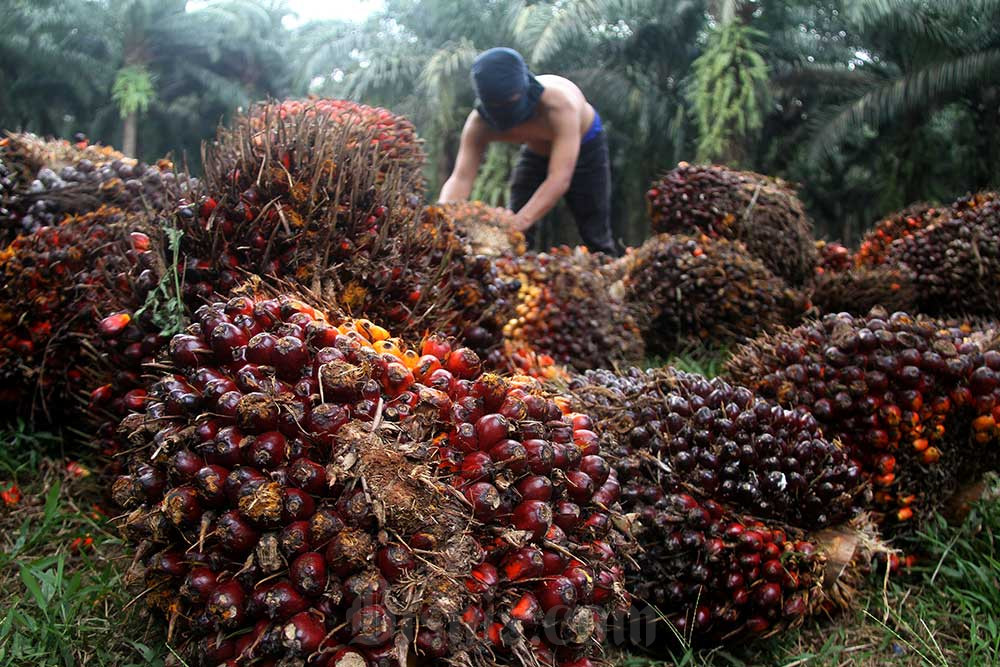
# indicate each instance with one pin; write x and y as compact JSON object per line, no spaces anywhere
{"x":540,"y":455}
{"x":235,"y":533}
{"x":463,"y":363}
{"x":347,"y":657}
{"x":596,"y":467}
{"x":308,"y":573}
{"x":277,"y":601}
{"x":371,"y":626}
{"x":535,"y":487}
{"x":181,"y":505}
{"x":527,"y":610}
{"x":431,"y":643}
{"x":198,"y":584}
{"x":237,"y":478}
{"x":210,"y":483}
{"x":524,"y":563}
{"x":485,"y":500}
{"x":567,"y":515}
{"x":227,"y":604}
{"x":580,"y":486}
{"x":394,"y":561}
{"x":510,"y":454}
{"x":483,"y":580}
{"x":557,"y":593}
{"x":303,"y":633}
{"x":534,"y":516}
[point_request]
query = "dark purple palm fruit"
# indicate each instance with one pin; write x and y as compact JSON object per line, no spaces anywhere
{"x":673,"y":430}
{"x":352,"y":493}
{"x":914,"y":402}
{"x":688,"y":289}
{"x":762,"y":212}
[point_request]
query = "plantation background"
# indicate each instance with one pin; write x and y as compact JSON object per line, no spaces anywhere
{"x":868,"y":105}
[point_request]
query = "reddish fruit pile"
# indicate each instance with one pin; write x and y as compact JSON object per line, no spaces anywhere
{"x":69,"y":293}
{"x":486,"y":229}
{"x":762,"y":212}
{"x":833,"y":257}
{"x":301,"y":490}
{"x":716,"y":477}
{"x":902,"y":394}
{"x":901,"y":224}
{"x":683,"y":289}
{"x":565,"y":310}
{"x":956,"y":260}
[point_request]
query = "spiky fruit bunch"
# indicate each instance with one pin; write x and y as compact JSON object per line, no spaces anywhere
{"x":901,"y":224}
{"x":675,"y":430}
{"x":714,"y":477}
{"x":956,"y":261}
{"x":301,"y":490}
{"x":565,"y":310}
{"x":833,"y":257}
{"x":719,"y":576}
{"x":762,"y":212}
{"x":487,"y":229}
{"x":684,"y":289}
{"x":391,"y":136}
{"x":902,"y":394}
{"x":67,"y":303}
{"x":859,"y":289}
{"x":58,"y":179}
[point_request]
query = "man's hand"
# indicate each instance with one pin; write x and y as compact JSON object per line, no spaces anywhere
{"x":520,"y":223}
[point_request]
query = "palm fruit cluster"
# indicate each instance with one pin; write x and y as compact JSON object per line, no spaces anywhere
{"x":565,"y":310}
{"x":325,"y":194}
{"x":956,"y":261}
{"x":57,"y":178}
{"x":684,"y":289}
{"x":748,"y":518}
{"x":858,"y":289}
{"x":486,"y":229}
{"x":901,"y":224}
{"x":70,"y":293}
{"x":833,"y":257}
{"x":307,"y":489}
{"x":914,"y":403}
{"x":762,"y":212}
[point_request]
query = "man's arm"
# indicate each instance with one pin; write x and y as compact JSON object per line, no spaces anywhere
{"x":470,"y":154}
{"x":562,"y":162}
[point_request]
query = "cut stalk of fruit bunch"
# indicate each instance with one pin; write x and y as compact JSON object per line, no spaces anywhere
{"x":487,"y":229}
{"x":762,"y":212}
{"x":911,"y":399}
{"x":308,"y":488}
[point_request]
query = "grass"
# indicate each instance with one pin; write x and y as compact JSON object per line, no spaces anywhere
{"x":63,"y":602}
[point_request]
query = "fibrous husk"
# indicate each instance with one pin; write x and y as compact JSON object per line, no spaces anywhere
{"x":486,"y":229}
{"x":859,"y":289}
{"x":762,"y":212}
{"x":684,"y":289}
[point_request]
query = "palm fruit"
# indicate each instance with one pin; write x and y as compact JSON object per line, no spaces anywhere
{"x":325,"y":194}
{"x":565,"y":310}
{"x":684,"y":289}
{"x":902,"y":394}
{"x":58,"y":178}
{"x":762,"y":212}
{"x":901,"y":224}
{"x":301,"y":488}
{"x":858,"y":289}
{"x":833,"y":257}
{"x":68,"y":300}
{"x":715,"y":478}
{"x":674,"y":429}
{"x":956,"y":260}
{"x":486,"y":229}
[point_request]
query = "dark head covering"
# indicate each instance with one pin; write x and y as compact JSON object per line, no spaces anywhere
{"x":507,"y":92}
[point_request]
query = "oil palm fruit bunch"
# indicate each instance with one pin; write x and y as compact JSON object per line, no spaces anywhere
{"x":486,"y":229}
{"x":685,"y":289}
{"x":68,"y":300}
{"x":309,"y":488}
{"x":858,"y":289}
{"x":956,"y":261}
{"x":58,"y":178}
{"x":912,"y":401}
{"x":833,"y":257}
{"x":762,"y":212}
{"x":565,"y":310}
{"x":901,"y":224}
{"x":748,"y":519}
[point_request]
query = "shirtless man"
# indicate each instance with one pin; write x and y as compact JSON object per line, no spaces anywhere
{"x":564,"y":149}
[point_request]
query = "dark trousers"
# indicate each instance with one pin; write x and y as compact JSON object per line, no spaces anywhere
{"x":588,"y":197}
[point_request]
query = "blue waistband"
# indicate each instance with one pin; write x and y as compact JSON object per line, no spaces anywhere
{"x":595,"y":128}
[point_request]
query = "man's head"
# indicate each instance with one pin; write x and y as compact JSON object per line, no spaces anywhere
{"x":507,"y":92}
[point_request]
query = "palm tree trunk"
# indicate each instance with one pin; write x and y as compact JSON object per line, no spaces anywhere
{"x":129,"y":134}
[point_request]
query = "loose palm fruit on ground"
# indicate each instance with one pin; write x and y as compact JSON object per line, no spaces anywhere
{"x":684,"y":290}
{"x":669,"y":430}
{"x":486,"y":229}
{"x":956,"y":260}
{"x":566,"y":310}
{"x":901,"y":224}
{"x":308,"y":486}
{"x":858,"y":289}
{"x":762,"y":212}
{"x":911,"y":399}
